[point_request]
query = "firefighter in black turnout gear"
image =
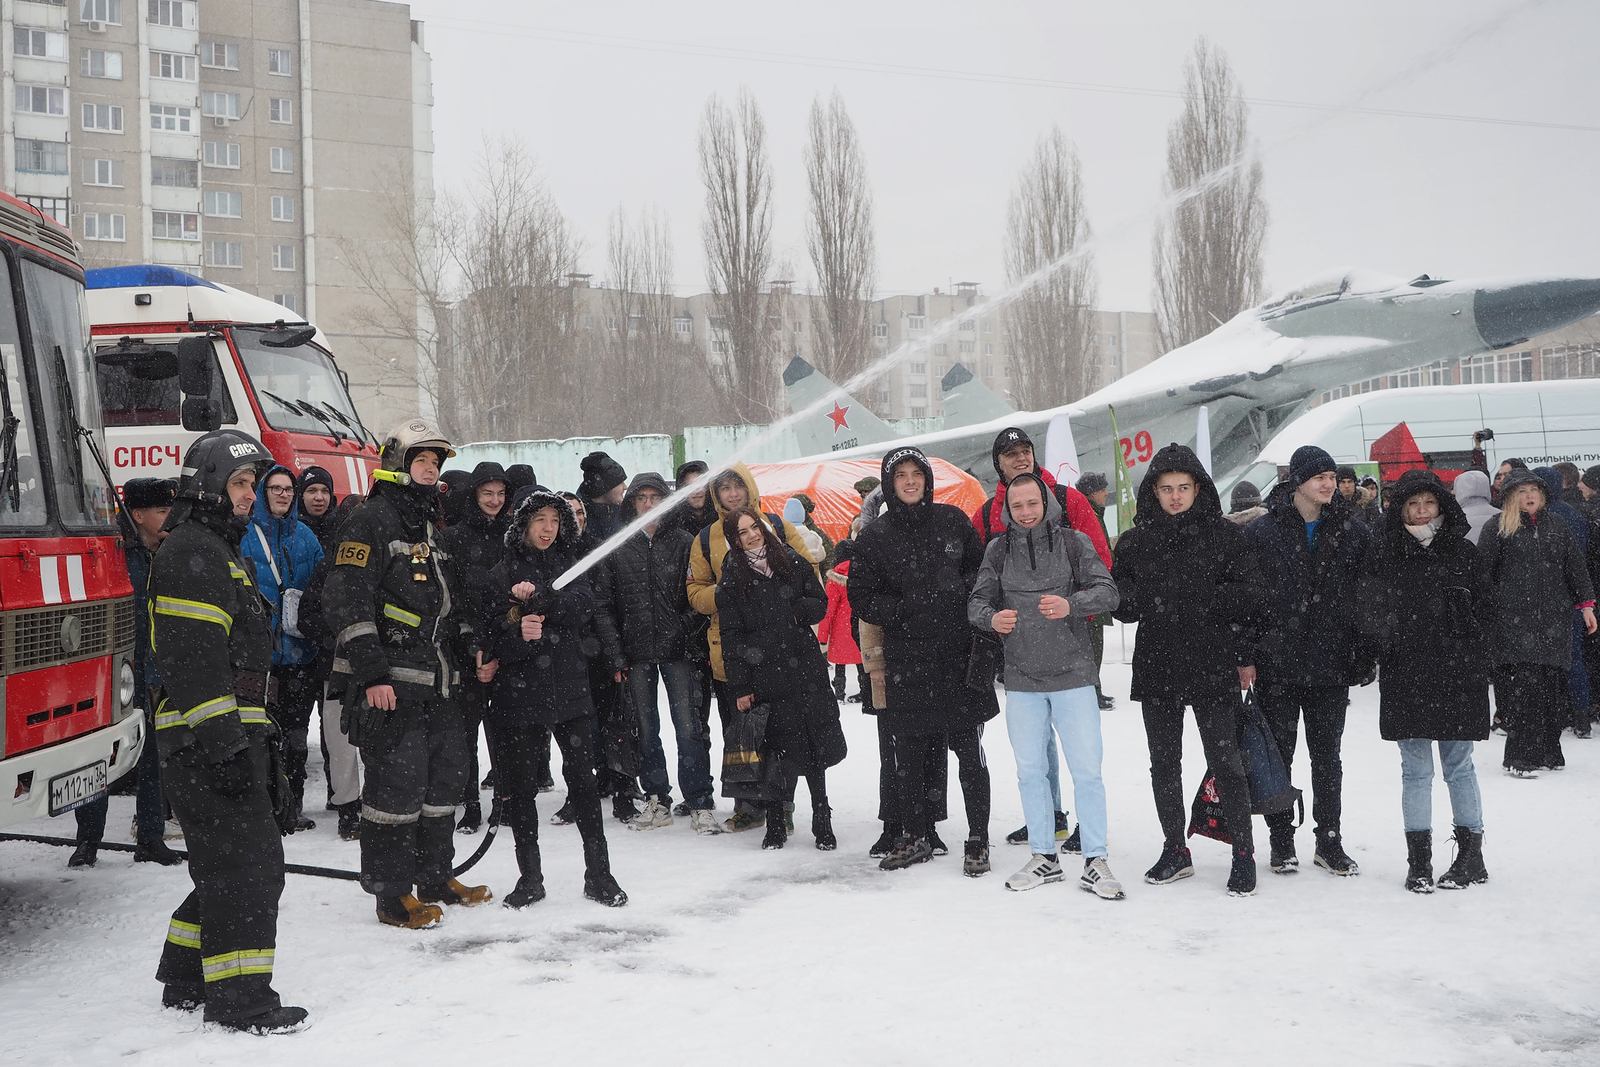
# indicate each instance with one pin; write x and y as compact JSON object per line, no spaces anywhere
{"x":393,"y":601}
{"x":212,"y":641}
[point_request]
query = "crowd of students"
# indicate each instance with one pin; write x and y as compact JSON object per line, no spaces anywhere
{"x":718,"y":603}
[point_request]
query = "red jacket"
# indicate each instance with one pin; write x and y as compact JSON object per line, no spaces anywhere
{"x":1080,"y":515}
{"x":834,"y":632}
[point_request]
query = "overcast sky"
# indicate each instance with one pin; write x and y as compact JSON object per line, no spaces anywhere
{"x":607,"y":95}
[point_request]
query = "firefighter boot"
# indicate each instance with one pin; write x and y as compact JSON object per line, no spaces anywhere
{"x":453,"y":892}
{"x":408,"y":913}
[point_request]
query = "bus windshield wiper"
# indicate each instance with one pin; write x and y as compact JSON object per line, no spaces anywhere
{"x":69,"y":412}
{"x":10,"y":462}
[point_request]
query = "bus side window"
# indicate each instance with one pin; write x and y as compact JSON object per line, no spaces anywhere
{"x":146,"y":393}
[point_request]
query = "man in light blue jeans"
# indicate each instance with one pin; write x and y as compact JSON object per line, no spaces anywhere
{"x":1416,"y":784}
{"x":694,"y":754}
{"x":1036,"y":588}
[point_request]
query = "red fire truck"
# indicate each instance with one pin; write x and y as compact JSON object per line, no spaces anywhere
{"x":68,"y":721}
{"x":250,"y":364}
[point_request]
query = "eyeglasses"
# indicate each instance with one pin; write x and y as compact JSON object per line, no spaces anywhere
{"x":281,"y":490}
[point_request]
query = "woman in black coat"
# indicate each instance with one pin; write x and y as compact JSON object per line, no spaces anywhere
{"x":768,"y":600}
{"x":1424,"y":606}
{"x":540,"y":671}
{"x":1536,"y":579}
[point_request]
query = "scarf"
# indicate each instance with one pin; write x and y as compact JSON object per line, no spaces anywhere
{"x":1425,"y":533}
{"x":758,"y":561}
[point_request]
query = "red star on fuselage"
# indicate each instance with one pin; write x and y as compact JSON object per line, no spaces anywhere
{"x":838,"y":416}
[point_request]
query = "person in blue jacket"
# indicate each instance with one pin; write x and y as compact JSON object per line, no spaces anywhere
{"x":284,"y":553}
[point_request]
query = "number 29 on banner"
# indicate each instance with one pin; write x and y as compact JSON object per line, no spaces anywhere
{"x":1138,"y":448}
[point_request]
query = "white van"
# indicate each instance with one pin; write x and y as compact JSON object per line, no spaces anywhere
{"x":1541,"y":423}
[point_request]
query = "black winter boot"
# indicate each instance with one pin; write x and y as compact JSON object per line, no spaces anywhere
{"x":822,"y":827}
{"x":523,"y":815}
{"x":777,"y":830}
{"x":1284,"y":860}
{"x":84,"y":855}
{"x":1331,"y":855}
{"x":1468,"y":868}
{"x":1242,"y":878}
{"x":1419,"y":861}
{"x":350,"y":821}
{"x":471,"y":818}
{"x":885,"y":842}
{"x":155,"y":852}
{"x":280,"y":1020}
{"x":601,"y":888}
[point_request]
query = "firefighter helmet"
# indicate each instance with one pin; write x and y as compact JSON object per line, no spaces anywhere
{"x":402,"y":444}
{"x":212,"y":460}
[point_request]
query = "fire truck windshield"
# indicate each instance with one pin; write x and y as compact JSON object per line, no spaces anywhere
{"x":22,"y":502}
{"x":70,"y":399}
{"x":300,"y":388}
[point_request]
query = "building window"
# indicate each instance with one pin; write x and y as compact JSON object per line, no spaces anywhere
{"x":173,"y":66}
{"x":919,"y":412}
{"x":683,"y":327}
{"x":1497,"y":367}
{"x":42,"y":100}
{"x":174,"y":173}
{"x":99,"y":63}
{"x":1571,"y":361}
{"x":880,"y":329}
{"x":966,"y":347}
{"x":168,"y":13}
{"x":171,"y":118}
{"x":109,"y":11}
{"x":105,"y":118}
{"x":280,"y":160}
{"x":175,"y":225}
{"x":287,"y":301}
{"x":968,"y":325}
{"x":55,"y":207}
{"x":219,"y":55}
{"x":283,"y":209}
{"x":102,"y":172}
{"x":916,"y":322}
{"x":283,"y":257}
{"x":280,"y":109}
{"x":941,"y":349}
{"x":280,"y":61}
{"x":918,"y":368}
{"x":106,"y":226}
{"x":219,"y":105}
{"x":988,"y":348}
{"x":225,"y":253}
{"x":221,"y":154}
{"x":224,"y":204}
{"x":919,"y":390}
{"x":41,"y":157}
{"x":40,"y":44}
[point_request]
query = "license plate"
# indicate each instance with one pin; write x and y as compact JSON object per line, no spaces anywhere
{"x":76,"y":788}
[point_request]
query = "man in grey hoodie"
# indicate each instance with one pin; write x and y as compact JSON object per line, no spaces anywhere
{"x":1472,"y":493}
{"x":1037,"y":586}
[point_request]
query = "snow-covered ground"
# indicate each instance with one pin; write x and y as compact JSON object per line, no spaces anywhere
{"x":727,"y":952}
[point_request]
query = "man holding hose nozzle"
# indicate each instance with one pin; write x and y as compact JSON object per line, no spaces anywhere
{"x":393,"y":600}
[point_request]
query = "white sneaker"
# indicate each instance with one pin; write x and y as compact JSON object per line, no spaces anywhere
{"x":1039,"y":871}
{"x":655,"y":815}
{"x":1098,"y":879}
{"x":705,"y":821}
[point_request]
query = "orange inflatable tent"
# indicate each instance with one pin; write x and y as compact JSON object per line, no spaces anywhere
{"x":830,"y":484}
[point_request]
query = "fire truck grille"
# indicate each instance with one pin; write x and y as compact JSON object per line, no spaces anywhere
{"x":45,"y":637}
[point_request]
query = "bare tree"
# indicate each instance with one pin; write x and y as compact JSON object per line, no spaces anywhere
{"x":656,"y":380}
{"x":840,"y":239}
{"x":1049,"y":326}
{"x":1208,"y":248}
{"x":492,"y":269}
{"x":737,"y":235}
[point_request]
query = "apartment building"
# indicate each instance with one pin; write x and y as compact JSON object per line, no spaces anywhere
{"x":248,"y":141}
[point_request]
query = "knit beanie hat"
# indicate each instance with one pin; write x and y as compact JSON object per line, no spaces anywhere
{"x":1307,"y":462}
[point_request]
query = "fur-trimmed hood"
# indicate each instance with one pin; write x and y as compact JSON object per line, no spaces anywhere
{"x":516,"y":533}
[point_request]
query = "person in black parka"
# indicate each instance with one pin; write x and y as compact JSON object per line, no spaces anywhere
{"x":768,"y":599}
{"x":475,"y":541}
{"x":913,"y":571}
{"x":1424,"y":606}
{"x":541,"y":683}
{"x":1187,"y":576}
{"x":1311,"y":543}
{"x":1536,"y":578}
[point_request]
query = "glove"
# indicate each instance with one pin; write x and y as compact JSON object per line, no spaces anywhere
{"x":278,"y":790}
{"x":230,"y":777}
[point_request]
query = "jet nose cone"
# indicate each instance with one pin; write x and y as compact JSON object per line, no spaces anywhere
{"x":1515,"y":313}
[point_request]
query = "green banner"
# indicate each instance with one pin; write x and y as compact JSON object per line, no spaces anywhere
{"x":1127,"y":501}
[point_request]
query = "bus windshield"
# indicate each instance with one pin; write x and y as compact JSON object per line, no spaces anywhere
{"x":300,"y":389}
{"x":59,"y":322}
{"x":22,"y":501}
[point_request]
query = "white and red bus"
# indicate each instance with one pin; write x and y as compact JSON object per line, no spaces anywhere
{"x":267,"y":373}
{"x":69,"y":723}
